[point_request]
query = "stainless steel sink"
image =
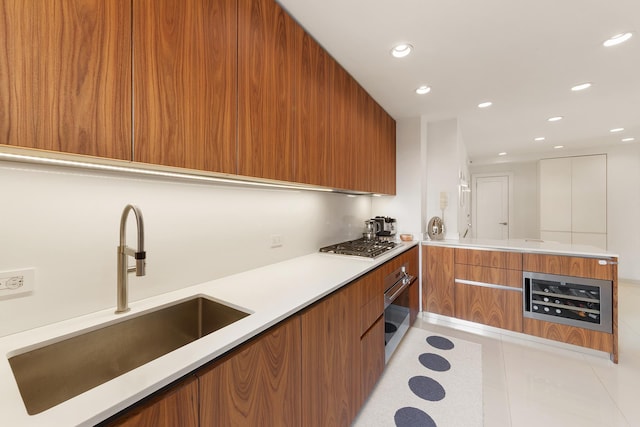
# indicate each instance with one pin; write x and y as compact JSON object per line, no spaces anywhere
{"x":57,"y":372}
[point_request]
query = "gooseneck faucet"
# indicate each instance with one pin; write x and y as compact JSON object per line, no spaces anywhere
{"x":123,"y":251}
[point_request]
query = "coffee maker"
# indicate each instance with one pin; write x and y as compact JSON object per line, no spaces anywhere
{"x":386,"y":226}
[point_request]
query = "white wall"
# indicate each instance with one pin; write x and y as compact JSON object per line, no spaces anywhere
{"x":525,"y":224}
{"x":623,"y":201}
{"x":407,"y":205}
{"x":65,"y":223}
{"x":623,"y":208}
{"x":446,"y":159}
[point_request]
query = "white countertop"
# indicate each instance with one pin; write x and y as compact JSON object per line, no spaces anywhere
{"x":270,"y":293}
{"x":526,"y":245}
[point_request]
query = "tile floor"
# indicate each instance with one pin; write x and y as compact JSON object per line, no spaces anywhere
{"x":530,"y":382}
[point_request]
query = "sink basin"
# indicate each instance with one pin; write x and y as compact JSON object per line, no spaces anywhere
{"x":57,"y":372}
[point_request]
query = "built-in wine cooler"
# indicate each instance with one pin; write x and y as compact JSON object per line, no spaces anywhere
{"x":573,"y":301}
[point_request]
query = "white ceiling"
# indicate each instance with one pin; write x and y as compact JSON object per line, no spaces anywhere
{"x":523,"y":55}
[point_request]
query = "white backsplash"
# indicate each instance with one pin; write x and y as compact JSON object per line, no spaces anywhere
{"x":65,"y":223}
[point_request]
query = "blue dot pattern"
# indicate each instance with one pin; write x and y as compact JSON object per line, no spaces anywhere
{"x":440,"y":343}
{"x":425,"y":387}
{"x":434,"y":362}
{"x":413,"y":417}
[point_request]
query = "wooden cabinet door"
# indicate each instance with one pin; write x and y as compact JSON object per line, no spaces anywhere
{"x":185,"y":83}
{"x":372,"y":350}
{"x":176,"y":406}
{"x":438,"y":277}
{"x":258,"y":384}
{"x":65,"y":76}
{"x":267,"y":45}
{"x":314,"y":162}
{"x":344,"y":122}
{"x":501,"y":308}
{"x":331,"y":391}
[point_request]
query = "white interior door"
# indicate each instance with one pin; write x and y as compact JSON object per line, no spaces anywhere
{"x":491,"y":202}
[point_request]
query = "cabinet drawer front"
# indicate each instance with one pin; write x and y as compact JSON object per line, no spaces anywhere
{"x":569,"y":266}
{"x":370,"y":312}
{"x":484,"y":258}
{"x":493,"y":307}
{"x":490,"y":275}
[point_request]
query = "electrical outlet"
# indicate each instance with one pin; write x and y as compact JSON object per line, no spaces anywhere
{"x":276,"y":240}
{"x":16,"y":282}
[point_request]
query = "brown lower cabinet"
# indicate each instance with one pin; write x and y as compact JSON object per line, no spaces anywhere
{"x":176,"y":405}
{"x":258,"y":384}
{"x":314,"y":369}
{"x":485,"y":286}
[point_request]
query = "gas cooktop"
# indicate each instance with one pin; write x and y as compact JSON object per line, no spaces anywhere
{"x":368,"y":248}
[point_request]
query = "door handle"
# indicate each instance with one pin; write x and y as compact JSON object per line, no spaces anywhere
{"x":502,"y":223}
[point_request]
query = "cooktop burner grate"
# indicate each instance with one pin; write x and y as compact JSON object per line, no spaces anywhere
{"x":360,"y":247}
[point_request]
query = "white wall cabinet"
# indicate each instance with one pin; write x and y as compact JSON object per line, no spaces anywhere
{"x":573,"y":200}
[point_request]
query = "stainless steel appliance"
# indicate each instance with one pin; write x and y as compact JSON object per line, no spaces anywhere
{"x":397,"y":311}
{"x":371,"y":229}
{"x":367,"y":248}
{"x":386,"y":226}
{"x":574,"y":301}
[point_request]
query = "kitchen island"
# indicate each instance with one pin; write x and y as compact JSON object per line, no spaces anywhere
{"x":561,"y":292}
{"x":270,"y":294}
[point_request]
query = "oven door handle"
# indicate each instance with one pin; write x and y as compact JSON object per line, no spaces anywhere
{"x":397,"y":289}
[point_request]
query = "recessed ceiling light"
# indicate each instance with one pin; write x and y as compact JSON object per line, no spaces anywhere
{"x":616,"y":130}
{"x":555,"y":119}
{"x":423,"y":90}
{"x":617,"y":39}
{"x":401,"y":50}
{"x":485,"y":104}
{"x":504,"y":153}
{"x":628,"y":139}
{"x":581,"y":86}
{"x":557,"y":147}
{"x":540,"y":138}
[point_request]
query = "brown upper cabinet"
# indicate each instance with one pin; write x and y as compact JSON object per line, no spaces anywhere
{"x":185,"y":83}
{"x":267,"y":42}
{"x":65,"y":76}
{"x":314,"y":163}
{"x":225,"y":86}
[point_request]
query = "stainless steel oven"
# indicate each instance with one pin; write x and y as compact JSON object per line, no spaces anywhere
{"x":396,"y":309}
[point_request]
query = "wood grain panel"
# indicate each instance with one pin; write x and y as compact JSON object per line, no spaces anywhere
{"x":372,"y":350}
{"x":331,"y":391}
{"x":267,"y":42}
{"x":569,"y":334}
{"x":493,"y":307}
{"x":259,"y":384}
{"x":175,"y":406}
{"x":438,"y":280}
{"x":370,"y":312}
{"x":388,"y":167}
{"x":315,"y":155}
{"x":487,"y":258}
{"x":568,"y":266}
{"x":65,"y":70}
{"x":367,"y":139}
{"x":185,"y":83}
{"x":614,"y":338}
{"x":496,"y":276}
{"x":344,"y":126}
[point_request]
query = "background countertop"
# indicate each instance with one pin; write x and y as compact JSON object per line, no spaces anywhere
{"x":525,"y":245}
